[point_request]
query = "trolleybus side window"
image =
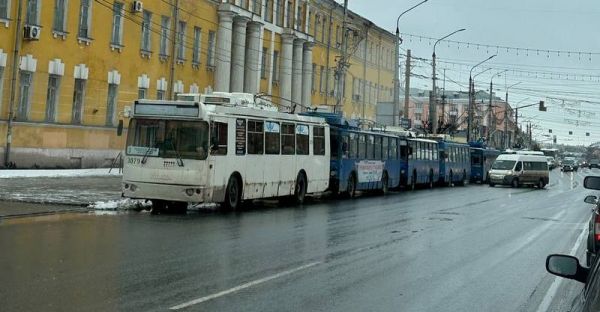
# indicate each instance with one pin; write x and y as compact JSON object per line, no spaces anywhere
{"x":370,"y":142}
{"x":288,"y":139}
{"x":218,"y":138}
{"x":335,"y":143}
{"x":302,"y":139}
{"x":353,"y":150}
{"x":345,"y":145}
{"x":377,"y":145}
{"x":318,"y":140}
{"x":393,"y":148}
{"x":385,"y":148}
{"x":362,"y":146}
{"x":255,"y":137}
{"x":272,"y":138}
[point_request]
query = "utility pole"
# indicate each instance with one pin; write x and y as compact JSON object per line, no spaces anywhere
{"x":505,"y":135}
{"x":340,"y":72}
{"x":171,"y":82}
{"x":489,"y":121}
{"x":470,"y":109}
{"x":13,"y":83}
{"x":407,"y":84}
{"x":433,"y":99}
{"x":443,"y":100}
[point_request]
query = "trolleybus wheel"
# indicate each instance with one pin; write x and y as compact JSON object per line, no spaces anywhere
{"x":385,"y":188}
{"x":232,"y":194}
{"x":463,"y":181}
{"x":351,"y":186}
{"x":413,"y":181}
{"x":300,"y":189}
{"x":450,"y":178}
{"x":430,"y":178}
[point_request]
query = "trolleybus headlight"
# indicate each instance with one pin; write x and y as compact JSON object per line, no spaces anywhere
{"x":132,"y":187}
{"x":189,"y":192}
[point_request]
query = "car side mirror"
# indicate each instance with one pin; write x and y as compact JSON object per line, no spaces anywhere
{"x":120,"y":128}
{"x":566,"y":266}
{"x":591,"y":199}
{"x":591,"y":182}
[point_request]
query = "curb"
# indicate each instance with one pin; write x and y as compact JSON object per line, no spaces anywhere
{"x":42,"y":213}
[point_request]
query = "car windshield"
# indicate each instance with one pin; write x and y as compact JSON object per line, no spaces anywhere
{"x":503,"y":164}
{"x":168,"y":138}
{"x":568,"y":162}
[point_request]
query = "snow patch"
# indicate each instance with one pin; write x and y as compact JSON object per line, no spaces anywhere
{"x":56,"y":173}
{"x":121,"y":204}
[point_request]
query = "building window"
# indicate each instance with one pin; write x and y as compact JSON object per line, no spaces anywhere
{"x":85,"y":18}
{"x":181,"y":40}
{"x":257,"y":7}
{"x":279,"y":7}
{"x":324,"y":28}
{"x":60,"y":14}
{"x":33,"y":12}
{"x":164,"y":35}
{"x":78,"y":101}
{"x":24,"y":95}
{"x":1,"y":84}
{"x":160,"y":94}
{"x":263,"y":65}
{"x":142,"y":93}
{"x":4,"y":9}
{"x":338,"y":41}
{"x":269,"y":10}
{"x":275,"y":73}
{"x":197,"y":46}
{"x":117,"y":27}
{"x":210,"y":61}
{"x":322,"y":79}
{"x":290,"y":15}
{"x":111,"y":104}
{"x":146,"y":32}
{"x":52,"y":97}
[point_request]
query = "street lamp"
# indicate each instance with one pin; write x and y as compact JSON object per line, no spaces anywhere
{"x":506,"y":115}
{"x":433,"y":106}
{"x":490,"y":111}
{"x":471,"y":94}
{"x":397,"y":67}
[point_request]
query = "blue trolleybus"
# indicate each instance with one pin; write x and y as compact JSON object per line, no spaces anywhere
{"x":423,"y":162}
{"x":481,"y":162}
{"x":363,"y":160}
{"x":455,"y":163}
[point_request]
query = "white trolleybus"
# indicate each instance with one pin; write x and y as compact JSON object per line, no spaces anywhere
{"x":222,"y":148}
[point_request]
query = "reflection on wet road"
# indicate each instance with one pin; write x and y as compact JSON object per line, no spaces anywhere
{"x":471,"y":248}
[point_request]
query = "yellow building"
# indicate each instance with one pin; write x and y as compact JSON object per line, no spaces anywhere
{"x":78,"y":63}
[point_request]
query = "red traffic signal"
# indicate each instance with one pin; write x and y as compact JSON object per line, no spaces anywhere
{"x":542,"y":108}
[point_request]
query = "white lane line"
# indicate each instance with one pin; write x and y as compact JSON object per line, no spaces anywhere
{"x":244,"y":286}
{"x":545,"y":304}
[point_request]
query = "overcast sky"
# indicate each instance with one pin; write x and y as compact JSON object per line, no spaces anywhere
{"x":534,"y":24}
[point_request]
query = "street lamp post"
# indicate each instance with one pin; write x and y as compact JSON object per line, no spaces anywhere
{"x":490,"y":109}
{"x":471,"y":94}
{"x":433,"y":105}
{"x":397,"y":69}
{"x":506,"y":142}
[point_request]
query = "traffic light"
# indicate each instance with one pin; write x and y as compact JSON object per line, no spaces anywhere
{"x":587,"y":134}
{"x":549,"y":130}
{"x":570,"y":132}
{"x":554,"y":139}
{"x":542,"y":107}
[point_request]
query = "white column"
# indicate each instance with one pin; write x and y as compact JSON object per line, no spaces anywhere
{"x":297,"y":71}
{"x":253,"y":54}
{"x":285,"y":70}
{"x":270,"y":68}
{"x":223,"y":53}
{"x":238,"y":54}
{"x":307,"y":74}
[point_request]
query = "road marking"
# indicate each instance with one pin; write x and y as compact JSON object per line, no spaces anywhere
{"x":545,"y":304}
{"x":244,"y":286}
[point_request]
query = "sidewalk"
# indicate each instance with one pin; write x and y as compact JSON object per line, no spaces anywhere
{"x":30,"y":192}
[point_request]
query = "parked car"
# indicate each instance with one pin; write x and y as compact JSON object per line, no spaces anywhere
{"x":569,"y":165}
{"x":593,"y":241}
{"x":568,"y":267}
{"x":516,"y":170}
{"x":594,"y":163}
{"x":552,"y":163}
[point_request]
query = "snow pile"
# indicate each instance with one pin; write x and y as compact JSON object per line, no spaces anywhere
{"x":57,"y":173}
{"x":121,"y":204}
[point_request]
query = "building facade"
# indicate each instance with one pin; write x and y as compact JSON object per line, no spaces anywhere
{"x":79,"y":63}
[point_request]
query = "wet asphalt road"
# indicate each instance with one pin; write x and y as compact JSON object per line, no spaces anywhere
{"x":471,"y":248}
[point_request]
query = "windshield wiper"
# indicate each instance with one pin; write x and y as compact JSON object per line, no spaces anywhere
{"x":146,"y":154}
{"x":179,"y":159}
